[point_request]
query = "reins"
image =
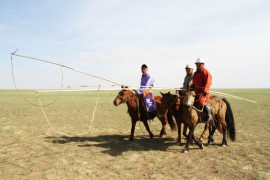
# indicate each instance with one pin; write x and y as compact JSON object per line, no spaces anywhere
{"x":193,"y":107}
{"x":171,"y":105}
{"x":125,"y":99}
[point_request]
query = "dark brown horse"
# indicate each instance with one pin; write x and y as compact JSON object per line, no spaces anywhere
{"x":221,"y":111}
{"x":173,"y":104}
{"x":137,"y":111}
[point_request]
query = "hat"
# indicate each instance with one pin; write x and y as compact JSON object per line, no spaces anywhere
{"x":199,"y":61}
{"x":189,"y":66}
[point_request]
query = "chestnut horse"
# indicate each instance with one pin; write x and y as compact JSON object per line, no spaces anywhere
{"x":137,"y":111}
{"x":222,"y":116}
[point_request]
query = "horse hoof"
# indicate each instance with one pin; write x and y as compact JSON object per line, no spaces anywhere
{"x":223,"y":145}
{"x":202,"y":146}
{"x":185,"y":151}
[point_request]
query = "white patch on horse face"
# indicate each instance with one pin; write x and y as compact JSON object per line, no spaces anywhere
{"x":189,"y":99}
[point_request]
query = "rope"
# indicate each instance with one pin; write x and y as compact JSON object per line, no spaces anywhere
{"x":14,"y":83}
{"x":64,"y":66}
{"x":60,"y":132}
{"x":200,"y":110}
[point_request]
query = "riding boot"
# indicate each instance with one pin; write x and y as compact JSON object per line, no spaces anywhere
{"x":207,"y":109}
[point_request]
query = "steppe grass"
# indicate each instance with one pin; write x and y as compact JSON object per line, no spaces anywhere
{"x":30,"y":149}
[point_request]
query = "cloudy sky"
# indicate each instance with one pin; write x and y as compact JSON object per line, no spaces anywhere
{"x":113,"y":38}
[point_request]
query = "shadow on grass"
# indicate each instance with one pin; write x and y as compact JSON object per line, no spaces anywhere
{"x":115,"y":145}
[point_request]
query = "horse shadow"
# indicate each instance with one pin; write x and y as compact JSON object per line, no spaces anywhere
{"x":115,"y":145}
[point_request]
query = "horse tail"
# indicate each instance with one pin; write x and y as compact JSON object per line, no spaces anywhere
{"x":229,"y":120}
{"x":171,"y":121}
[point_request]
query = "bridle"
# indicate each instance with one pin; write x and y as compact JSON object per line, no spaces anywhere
{"x":171,"y":103}
{"x":192,"y":104}
{"x":124,"y":99}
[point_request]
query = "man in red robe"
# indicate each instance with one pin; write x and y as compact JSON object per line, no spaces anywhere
{"x":202,"y":80}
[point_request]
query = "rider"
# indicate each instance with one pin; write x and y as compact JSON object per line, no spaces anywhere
{"x":202,"y":81}
{"x":146,"y":83}
{"x":187,"y":80}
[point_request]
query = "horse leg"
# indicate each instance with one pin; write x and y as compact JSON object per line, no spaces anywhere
{"x":185,"y":131}
{"x":206,"y":126}
{"x":211,"y":134}
{"x":197,"y":141}
{"x":188,"y":141}
{"x":163,"y":120}
{"x":133,"y":121}
{"x":148,"y":129}
{"x":179,"y":133}
{"x":224,"y":140}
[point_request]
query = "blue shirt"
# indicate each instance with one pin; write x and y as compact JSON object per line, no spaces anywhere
{"x":148,"y":81}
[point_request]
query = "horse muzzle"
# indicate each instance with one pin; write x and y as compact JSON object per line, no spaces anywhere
{"x":117,"y":102}
{"x":187,"y":105}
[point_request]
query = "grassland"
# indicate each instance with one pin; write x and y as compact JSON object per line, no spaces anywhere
{"x":30,"y":149}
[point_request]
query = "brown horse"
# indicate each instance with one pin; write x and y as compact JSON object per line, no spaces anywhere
{"x":175,"y":109}
{"x":137,"y":111}
{"x":221,"y":111}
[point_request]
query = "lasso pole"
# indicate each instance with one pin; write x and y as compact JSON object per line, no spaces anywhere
{"x":119,"y":84}
{"x":231,"y":96}
{"x":64,"y":66}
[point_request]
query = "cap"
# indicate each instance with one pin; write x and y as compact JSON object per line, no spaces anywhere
{"x":199,"y":61}
{"x":144,"y":66}
{"x":189,"y":66}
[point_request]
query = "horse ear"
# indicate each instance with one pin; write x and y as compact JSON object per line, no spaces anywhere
{"x":169,"y":93}
{"x":161,"y":94}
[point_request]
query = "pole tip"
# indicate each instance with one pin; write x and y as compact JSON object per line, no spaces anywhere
{"x":14,"y":52}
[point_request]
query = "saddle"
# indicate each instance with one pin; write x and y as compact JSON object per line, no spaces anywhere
{"x":143,"y":111}
{"x":204,"y":115}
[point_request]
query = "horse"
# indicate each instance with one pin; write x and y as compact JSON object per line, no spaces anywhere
{"x":222,"y":117}
{"x":174,"y":104}
{"x":137,"y":111}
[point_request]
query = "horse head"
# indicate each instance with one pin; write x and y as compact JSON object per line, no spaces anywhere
{"x":123,"y":96}
{"x":189,"y":98}
{"x":167,"y":99}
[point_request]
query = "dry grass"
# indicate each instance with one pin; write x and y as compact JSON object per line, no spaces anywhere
{"x":29,"y":149}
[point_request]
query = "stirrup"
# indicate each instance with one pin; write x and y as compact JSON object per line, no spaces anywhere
{"x":209,"y":119}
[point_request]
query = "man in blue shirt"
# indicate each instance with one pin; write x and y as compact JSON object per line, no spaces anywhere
{"x":147,"y":82}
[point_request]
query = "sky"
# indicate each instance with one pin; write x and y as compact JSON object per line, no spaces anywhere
{"x":113,"y":38}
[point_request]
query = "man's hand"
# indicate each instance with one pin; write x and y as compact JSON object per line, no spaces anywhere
{"x":124,"y":87}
